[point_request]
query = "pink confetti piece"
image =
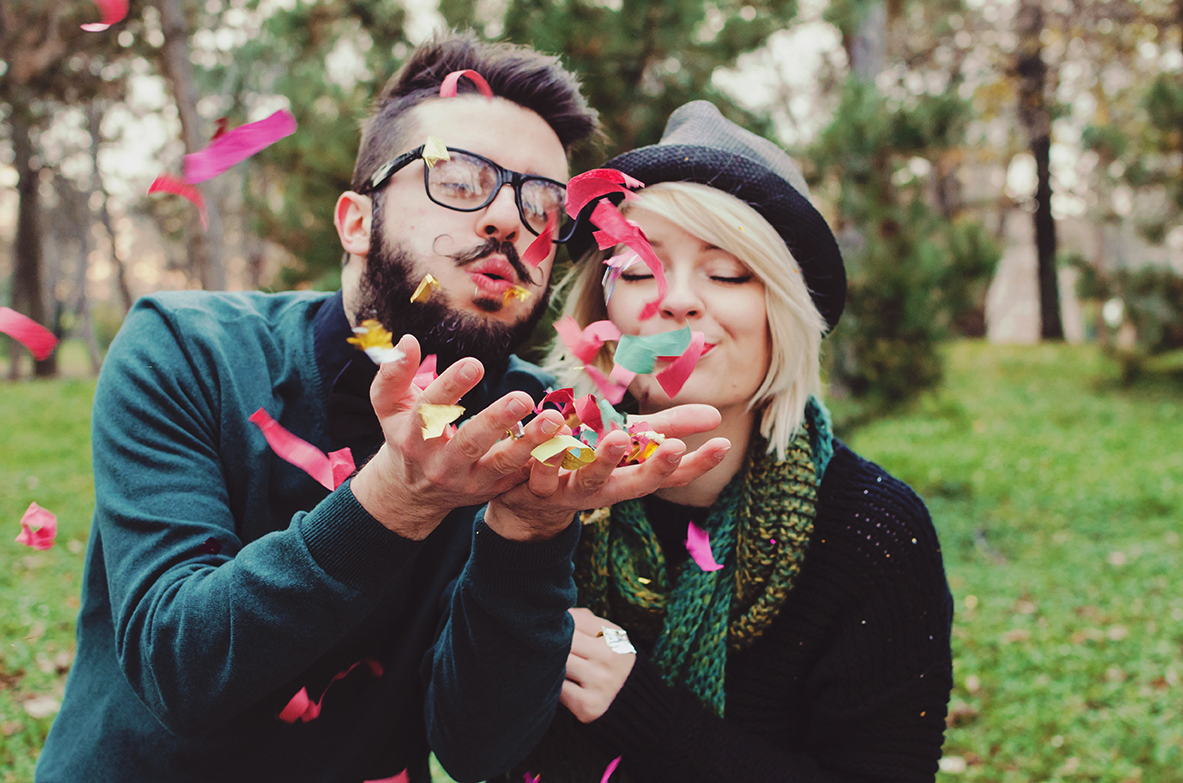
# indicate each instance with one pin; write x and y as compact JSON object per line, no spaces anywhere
{"x":585,"y":343}
{"x":401,"y":777}
{"x":233,"y":147}
{"x":615,"y":229}
{"x":698,"y":544}
{"x":564,"y":398}
{"x":530,"y":777}
{"x":330,"y":470}
{"x":112,"y":11}
{"x":20,"y":327}
{"x":612,"y":765}
{"x":38,"y":528}
{"x":610,"y":390}
{"x":426,"y":372}
{"x":674,"y":377}
{"x":588,"y":411}
{"x":167,"y":183}
{"x":301,"y":707}
{"x":452,"y":81}
{"x":539,"y":249}
{"x":590,"y":185}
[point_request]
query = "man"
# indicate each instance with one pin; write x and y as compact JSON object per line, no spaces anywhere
{"x":242,"y":622}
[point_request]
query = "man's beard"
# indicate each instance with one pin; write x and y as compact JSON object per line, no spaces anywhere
{"x":389,"y":280}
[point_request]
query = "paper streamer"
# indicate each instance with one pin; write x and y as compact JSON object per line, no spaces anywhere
{"x":640,"y":353}
{"x":434,"y":150}
{"x":674,"y":377}
{"x":539,"y":249}
{"x":452,"y":81}
{"x":329,"y":470}
{"x":426,"y":372}
{"x":427,"y":286}
{"x":303,"y":708}
{"x":612,"y":765}
{"x":112,"y":11}
{"x":585,"y":343}
{"x":590,"y":185}
{"x":698,"y":544}
{"x":233,"y":147}
{"x":610,"y":390}
{"x":167,"y":183}
{"x":616,"y":229}
{"x":575,"y":452}
{"x":20,"y":327}
{"x":39,"y":528}
{"x":436,"y":418}
{"x":563,"y":398}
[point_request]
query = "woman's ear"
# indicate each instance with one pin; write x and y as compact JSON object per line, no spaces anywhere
{"x":352,"y":218}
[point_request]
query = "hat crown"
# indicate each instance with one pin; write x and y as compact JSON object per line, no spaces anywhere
{"x":701,"y":124}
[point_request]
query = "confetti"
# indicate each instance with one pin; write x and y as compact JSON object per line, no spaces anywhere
{"x":639,"y":353}
{"x":643,"y":445}
{"x":426,"y":372}
{"x":539,"y":249}
{"x":643,"y":580}
{"x":301,"y":707}
{"x":617,"y":640}
{"x":112,"y":11}
{"x":515,"y":292}
{"x":39,"y":340}
{"x":616,"y":266}
{"x":436,"y":418}
{"x":575,"y":452}
{"x":434,"y":150}
{"x":402,"y":777}
{"x":698,"y":543}
{"x":612,"y":765}
{"x":588,"y":411}
{"x":167,"y":183}
{"x":427,"y":286}
{"x":452,"y":81}
{"x":38,"y":528}
{"x":616,"y":229}
{"x":329,"y":470}
{"x":585,"y":343}
{"x":610,"y":390}
{"x":233,"y":147}
{"x":597,"y":183}
{"x":378,"y":343}
{"x":674,"y":377}
{"x":563,"y":398}
{"x":531,"y":778}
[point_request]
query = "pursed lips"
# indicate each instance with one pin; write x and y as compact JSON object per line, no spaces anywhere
{"x":493,"y":275}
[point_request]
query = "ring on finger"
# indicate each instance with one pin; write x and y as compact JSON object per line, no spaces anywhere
{"x":617,"y":640}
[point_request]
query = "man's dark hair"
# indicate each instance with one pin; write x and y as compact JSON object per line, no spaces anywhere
{"x":530,"y":79}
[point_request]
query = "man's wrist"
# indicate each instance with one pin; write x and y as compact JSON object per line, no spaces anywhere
{"x":388,"y":502}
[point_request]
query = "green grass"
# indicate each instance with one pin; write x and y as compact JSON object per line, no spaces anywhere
{"x":1058,"y":496}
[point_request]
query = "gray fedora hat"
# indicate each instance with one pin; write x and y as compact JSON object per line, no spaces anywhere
{"x":701,"y":145}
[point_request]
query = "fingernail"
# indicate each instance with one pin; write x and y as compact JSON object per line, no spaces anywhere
{"x":468,"y":372}
{"x":517,"y":407}
{"x":550,"y":427}
{"x":721,"y":453}
{"x":676,"y":457}
{"x":616,"y":449}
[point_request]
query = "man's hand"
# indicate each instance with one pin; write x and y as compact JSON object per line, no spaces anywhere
{"x":411,"y":484}
{"x":595,"y":672}
{"x":544,"y":506}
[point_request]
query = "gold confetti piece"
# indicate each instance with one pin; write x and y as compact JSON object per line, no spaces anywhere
{"x":371,"y":334}
{"x":434,"y":151}
{"x":515,"y":292}
{"x":643,"y":580}
{"x":577,"y":453}
{"x":644,"y":444}
{"x":427,"y":287}
{"x":436,"y":418}
{"x":516,"y":432}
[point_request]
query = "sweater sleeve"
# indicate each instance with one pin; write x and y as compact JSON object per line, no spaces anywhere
{"x":206,"y":628}
{"x":497,"y":669}
{"x":875,"y":694}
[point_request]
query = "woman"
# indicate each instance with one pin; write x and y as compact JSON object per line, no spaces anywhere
{"x":820,"y":650}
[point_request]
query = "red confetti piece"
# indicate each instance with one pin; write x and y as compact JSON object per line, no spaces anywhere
{"x":112,"y":11}
{"x":585,"y":343}
{"x":610,"y":390}
{"x":401,"y":777}
{"x":698,"y":544}
{"x":588,"y":411}
{"x":301,"y":707}
{"x":531,"y":778}
{"x":564,"y":398}
{"x":232,"y":147}
{"x":540,"y":248}
{"x":38,"y":528}
{"x":426,"y":372}
{"x":39,"y":340}
{"x":615,"y":229}
{"x":167,"y":183}
{"x":612,"y":765}
{"x":330,"y":470}
{"x":589,"y":185}
{"x":674,"y":377}
{"x":452,"y":81}
{"x":221,"y":125}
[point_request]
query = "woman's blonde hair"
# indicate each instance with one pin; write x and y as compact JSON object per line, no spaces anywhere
{"x":794,"y":324}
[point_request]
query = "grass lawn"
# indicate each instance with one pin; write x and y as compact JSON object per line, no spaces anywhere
{"x":1057,"y":494}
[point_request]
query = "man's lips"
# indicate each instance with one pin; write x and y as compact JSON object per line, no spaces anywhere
{"x":492,"y":275}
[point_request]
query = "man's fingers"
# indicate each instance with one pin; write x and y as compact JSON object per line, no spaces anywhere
{"x":388,"y":392}
{"x":454,"y":382}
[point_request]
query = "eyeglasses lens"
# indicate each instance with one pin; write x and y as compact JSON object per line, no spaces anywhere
{"x":467,"y":183}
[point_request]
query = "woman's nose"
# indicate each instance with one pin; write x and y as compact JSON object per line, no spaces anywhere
{"x":681,"y":301}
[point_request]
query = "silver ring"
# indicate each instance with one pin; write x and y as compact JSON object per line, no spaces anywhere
{"x":617,"y":640}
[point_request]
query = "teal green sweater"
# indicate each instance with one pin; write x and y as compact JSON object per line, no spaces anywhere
{"x":220,"y":581}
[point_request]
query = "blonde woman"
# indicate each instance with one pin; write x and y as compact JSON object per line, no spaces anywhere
{"x":820,"y":649}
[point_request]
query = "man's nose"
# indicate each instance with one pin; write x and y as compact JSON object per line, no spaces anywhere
{"x":500,"y":219}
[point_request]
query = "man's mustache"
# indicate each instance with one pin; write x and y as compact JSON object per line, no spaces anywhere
{"x":492,"y":246}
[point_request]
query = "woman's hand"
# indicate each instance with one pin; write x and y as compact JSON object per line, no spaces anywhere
{"x":595,"y":672}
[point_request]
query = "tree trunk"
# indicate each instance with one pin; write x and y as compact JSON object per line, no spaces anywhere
{"x":27,"y":296}
{"x":206,"y":260}
{"x":868,"y":49}
{"x":94,"y":117}
{"x":1033,"y":114}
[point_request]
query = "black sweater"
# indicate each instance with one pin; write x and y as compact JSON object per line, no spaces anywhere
{"x":852,"y":679}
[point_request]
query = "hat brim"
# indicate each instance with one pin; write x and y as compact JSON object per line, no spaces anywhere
{"x":803,"y":229}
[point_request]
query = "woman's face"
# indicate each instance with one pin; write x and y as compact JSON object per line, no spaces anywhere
{"x":712,"y":292}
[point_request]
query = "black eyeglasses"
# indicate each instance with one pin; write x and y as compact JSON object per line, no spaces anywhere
{"x":467,"y":182}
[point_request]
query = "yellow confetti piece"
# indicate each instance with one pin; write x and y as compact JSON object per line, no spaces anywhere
{"x":577,"y":454}
{"x":515,"y":292}
{"x":434,"y":151}
{"x":643,"y":580}
{"x":371,"y":334}
{"x":644,"y":444}
{"x":436,"y":418}
{"x":427,"y":287}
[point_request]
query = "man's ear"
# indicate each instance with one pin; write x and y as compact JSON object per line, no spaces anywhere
{"x":352,"y":218}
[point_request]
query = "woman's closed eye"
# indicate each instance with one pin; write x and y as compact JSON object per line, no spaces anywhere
{"x":630,"y":277}
{"x":732,"y":279}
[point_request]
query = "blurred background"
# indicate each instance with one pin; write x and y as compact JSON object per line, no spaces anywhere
{"x":1006,"y":181}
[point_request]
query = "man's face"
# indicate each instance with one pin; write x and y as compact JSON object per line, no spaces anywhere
{"x":475,"y":256}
